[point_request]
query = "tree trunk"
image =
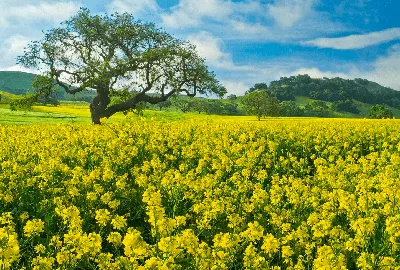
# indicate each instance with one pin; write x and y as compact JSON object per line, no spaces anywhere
{"x":95,"y":114}
{"x":99,"y":105}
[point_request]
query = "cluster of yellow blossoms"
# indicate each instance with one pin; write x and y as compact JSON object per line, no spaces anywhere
{"x":277,"y":194}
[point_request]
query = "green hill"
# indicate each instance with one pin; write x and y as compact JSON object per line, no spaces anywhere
{"x":15,"y":82}
{"x":334,"y":97}
{"x":333,"y":89}
{"x":6,"y":97}
{"x":19,"y":83}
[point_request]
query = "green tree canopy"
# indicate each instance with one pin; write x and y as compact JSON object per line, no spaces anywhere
{"x":345,"y":106}
{"x":379,"y":111}
{"x":257,"y":86}
{"x":256,"y":103}
{"x":289,"y":108}
{"x":115,"y":53}
{"x":317,"y":108}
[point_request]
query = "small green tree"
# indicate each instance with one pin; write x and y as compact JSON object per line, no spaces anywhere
{"x":256,"y":103}
{"x":44,"y":93}
{"x":199,"y":105}
{"x":273,"y":107}
{"x":231,"y":109}
{"x":379,"y":112}
{"x":214,"y":107}
{"x":182,"y":104}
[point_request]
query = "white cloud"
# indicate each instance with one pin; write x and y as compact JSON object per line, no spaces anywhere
{"x":11,"y":48}
{"x":3,"y":21}
{"x":134,"y":7}
{"x":52,"y":12}
{"x":288,"y":12}
{"x":235,"y":87}
{"x":251,"y":29}
{"x":189,"y":13}
{"x":356,"y":41}
{"x":208,"y":46}
{"x":211,"y":48}
{"x":385,"y":70}
{"x":12,"y":12}
{"x":251,"y":20}
{"x":180,"y":19}
{"x":24,"y":20}
{"x":317,"y":73}
{"x":246,"y":7}
{"x":22,"y":69}
{"x":15,"y":44}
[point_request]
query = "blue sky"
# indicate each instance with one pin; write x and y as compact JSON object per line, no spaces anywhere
{"x":244,"y":41}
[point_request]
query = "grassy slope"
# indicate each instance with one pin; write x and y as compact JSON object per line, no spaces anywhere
{"x":15,"y":82}
{"x":302,"y":101}
{"x":19,"y":83}
{"x":7,"y":97}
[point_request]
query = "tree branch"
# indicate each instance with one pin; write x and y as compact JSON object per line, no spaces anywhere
{"x":67,"y":89}
{"x":188,"y":92}
{"x":131,"y":103}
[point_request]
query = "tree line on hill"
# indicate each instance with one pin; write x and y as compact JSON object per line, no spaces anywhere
{"x":332,"y":90}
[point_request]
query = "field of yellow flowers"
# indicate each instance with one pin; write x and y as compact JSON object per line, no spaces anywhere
{"x":277,"y":194}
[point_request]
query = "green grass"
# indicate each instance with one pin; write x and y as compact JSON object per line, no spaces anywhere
{"x":73,"y":102}
{"x":33,"y":117}
{"x":78,"y":113}
{"x":7,"y":97}
{"x":75,"y":113}
{"x":302,"y":101}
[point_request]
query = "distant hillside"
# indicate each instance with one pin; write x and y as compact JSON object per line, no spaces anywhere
{"x":19,"y":83}
{"x":6,"y":97}
{"x":335,"y":89}
{"x":15,"y":82}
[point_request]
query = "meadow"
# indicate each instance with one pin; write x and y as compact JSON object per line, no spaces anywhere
{"x":173,"y":191}
{"x":78,"y":113}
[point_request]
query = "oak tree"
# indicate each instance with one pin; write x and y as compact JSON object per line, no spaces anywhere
{"x":115,"y":53}
{"x":256,"y":102}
